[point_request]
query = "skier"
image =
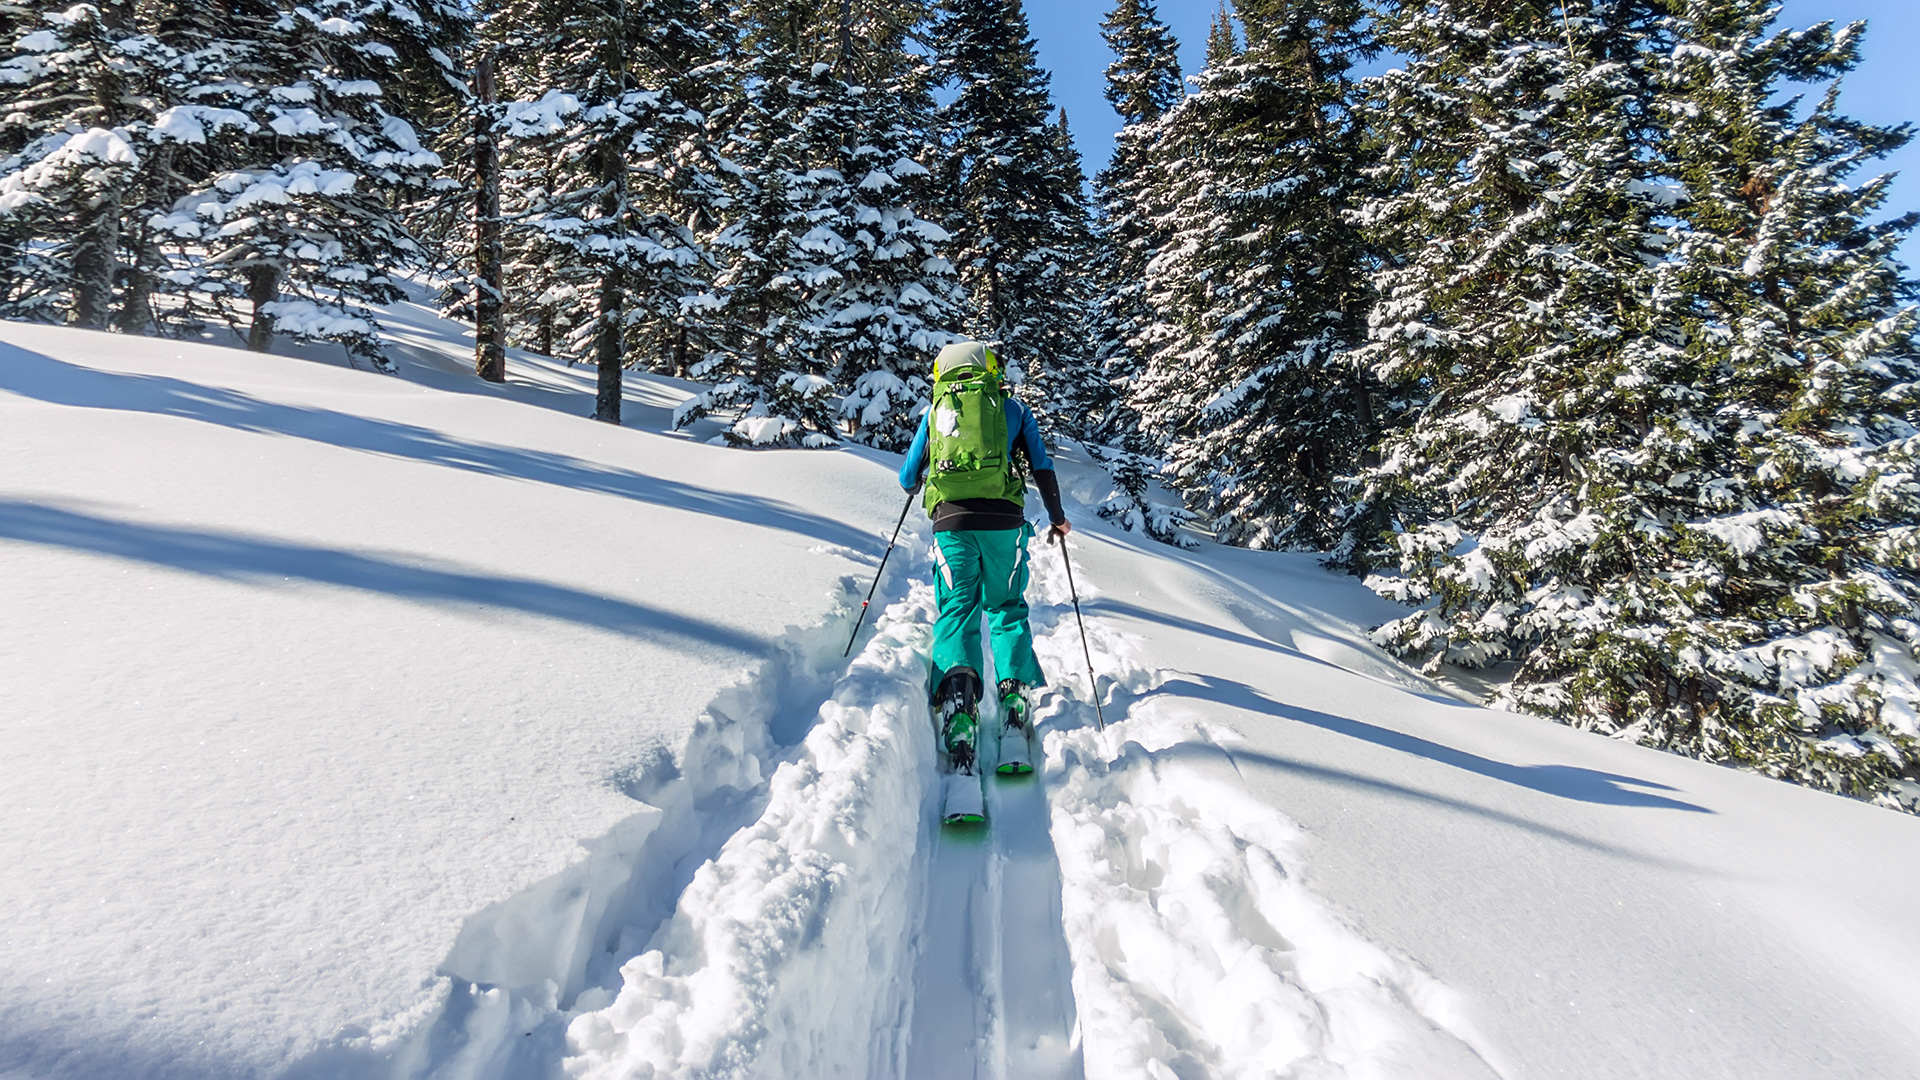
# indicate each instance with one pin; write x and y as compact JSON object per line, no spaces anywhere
{"x":967,"y":448}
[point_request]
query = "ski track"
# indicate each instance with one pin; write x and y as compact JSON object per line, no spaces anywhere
{"x":1126,"y":912}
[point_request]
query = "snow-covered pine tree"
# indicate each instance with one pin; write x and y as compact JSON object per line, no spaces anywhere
{"x":1266,"y":287}
{"x":836,"y":286}
{"x":1665,"y":461}
{"x":81,"y":86}
{"x":1066,"y":387}
{"x":766,"y":368}
{"x":625,"y":157}
{"x":1783,"y":632}
{"x":897,"y":298}
{"x":1013,"y":198}
{"x":1143,"y":82}
{"x":1159,"y":198}
{"x":156,"y":293}
{"x":303,"y":118}
{"x":549,"y":295}
{"x":1522,"y":217}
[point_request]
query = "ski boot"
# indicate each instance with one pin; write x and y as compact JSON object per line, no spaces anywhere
{"x":959,"y":700}
{"x":963,"y":801}
{"x":1016,"y":736}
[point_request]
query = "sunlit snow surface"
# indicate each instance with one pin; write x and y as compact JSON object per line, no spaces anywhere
{"x":357,"y":726}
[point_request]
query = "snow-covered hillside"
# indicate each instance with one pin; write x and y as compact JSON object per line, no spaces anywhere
{"x":359,"y":726}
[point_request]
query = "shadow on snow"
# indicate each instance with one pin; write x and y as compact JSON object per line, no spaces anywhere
{"x":43,"y":378}
{"x":237,"y":557}
{"x":1562,"y":781}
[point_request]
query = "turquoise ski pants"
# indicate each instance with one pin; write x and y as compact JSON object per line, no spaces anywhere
{"x":983,"y":570}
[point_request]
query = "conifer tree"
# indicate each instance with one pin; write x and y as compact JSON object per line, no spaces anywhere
{"x":1066,"y":385}
{"x":766,"y":370}
{"x":1786,"y":628}
{"x":311,"y":113}
{"x":1520,"y":228}
{"x":263,"y":149}
{"x":896,"y":297}
{"x":1663,"y":465}
{"x":1013,"y":202}
{"x":836,"y":291}
{"x":1264,"y":280}
{"x":1143,"y":82}
{"x":627,"y":156}
{"x":83,"y":86}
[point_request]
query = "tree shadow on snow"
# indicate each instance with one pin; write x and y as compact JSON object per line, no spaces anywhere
{"x":43,"y":378}
{"x":91,"y":1039}
{"x":1563,"y":781}
{"x":237,"y":557}
{"x":1413,"y":685}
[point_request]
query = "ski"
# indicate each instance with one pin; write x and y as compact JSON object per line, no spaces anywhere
{"x":1016,"y":751}
{"x":1016,"y":730}
{"x":962,"y":799}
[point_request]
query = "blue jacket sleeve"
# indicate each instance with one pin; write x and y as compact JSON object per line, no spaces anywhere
{"x":1023,"y":434}
{"x":916,"y":463}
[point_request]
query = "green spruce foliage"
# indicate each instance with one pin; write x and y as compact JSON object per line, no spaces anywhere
{"x":1662,"y":471}
{"x":836,"y":292}
{"x":1143,"y":82}
{"x":1261,"y":281}
{"x":1013,"y":191}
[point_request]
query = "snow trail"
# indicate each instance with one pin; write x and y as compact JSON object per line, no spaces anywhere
{"x":1195,"y":951}
{"x":777,"y":958}
{"x":1127,"y":911}
{"x":992,"y":983}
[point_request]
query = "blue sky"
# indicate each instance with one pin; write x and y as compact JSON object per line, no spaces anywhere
{"x":1885,"y":89}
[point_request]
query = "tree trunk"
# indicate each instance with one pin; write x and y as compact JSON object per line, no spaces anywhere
{"x":846,"y":42}
{"x":95,"y":257}
{"x":263,"y":288}
{"x":141,"y":275}
{"x":608,"y":348}
{"x":136,"y":303}
{"x":489,"y":329}
{"x":680,"y":352}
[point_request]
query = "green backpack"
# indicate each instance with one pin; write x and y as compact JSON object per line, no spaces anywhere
{"x":967,"y":430}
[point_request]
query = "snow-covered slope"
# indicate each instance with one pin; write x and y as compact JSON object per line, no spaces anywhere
{"x":304,"y":668}
{"x":359,"y":726}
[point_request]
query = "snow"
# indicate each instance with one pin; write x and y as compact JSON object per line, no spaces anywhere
{"x":292,"y":122}
{"x":304,"y":318}
{"x":98,"y":144}
{"x":809,"y":896}
{"x":547,"y":116}
{"x":307,"y":668}
{"x":191,"y":123}
{"x":401,"y":726}
{"x":1744,"y":533}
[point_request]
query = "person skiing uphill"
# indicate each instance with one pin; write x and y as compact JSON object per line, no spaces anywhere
{"x":969,"y":450}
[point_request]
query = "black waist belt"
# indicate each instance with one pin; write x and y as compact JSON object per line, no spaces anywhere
{"x":977,"y":515}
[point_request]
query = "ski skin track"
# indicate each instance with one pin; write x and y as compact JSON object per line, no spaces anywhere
{"x":785,"y":955}
{"x":992,"y":989}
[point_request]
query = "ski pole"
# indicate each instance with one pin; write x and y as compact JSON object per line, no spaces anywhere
{"x":1098,"y":715}
{"x":876,"y":575}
